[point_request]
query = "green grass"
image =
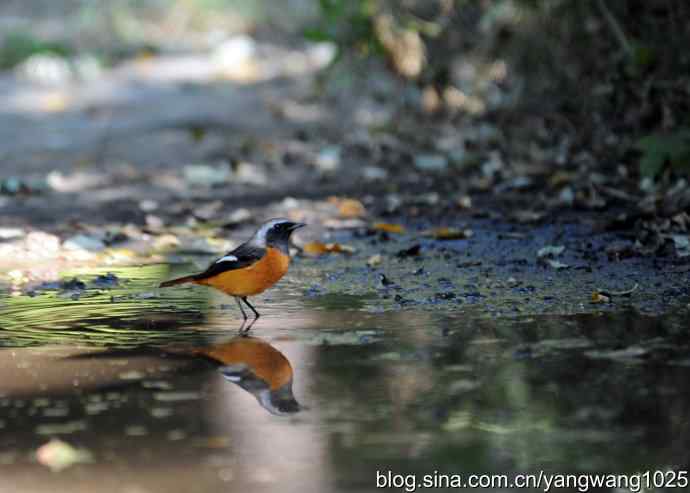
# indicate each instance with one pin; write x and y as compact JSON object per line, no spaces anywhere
{"x":18,"y":46}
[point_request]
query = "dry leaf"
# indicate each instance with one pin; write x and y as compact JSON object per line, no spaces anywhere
{"x":597,"y":298}
{"x":343,"y":223}
{"x":554,"y":264}
{"x":349,"y":208}
{"x":389,"y":228}
{"x":451,"y":234}
{"x":316,"y":248}
{"x":375,"y":260}
{"x":58,"y":455}
{"x":404,"y":46}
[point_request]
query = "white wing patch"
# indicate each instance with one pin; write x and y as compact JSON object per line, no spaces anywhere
{"x":227,"y":258}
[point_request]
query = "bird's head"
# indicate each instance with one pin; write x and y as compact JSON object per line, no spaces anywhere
{"x":275,"y":233}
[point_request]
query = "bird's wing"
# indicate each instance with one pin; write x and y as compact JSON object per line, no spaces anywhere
{"x":239,"y":258}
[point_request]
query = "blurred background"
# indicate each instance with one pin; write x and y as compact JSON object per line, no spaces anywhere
{"x":521,"y":88}
{"x":504,"y":91}
{"x":158,"y":113}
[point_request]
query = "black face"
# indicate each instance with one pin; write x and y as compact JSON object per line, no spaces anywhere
{"x":280,"y":233}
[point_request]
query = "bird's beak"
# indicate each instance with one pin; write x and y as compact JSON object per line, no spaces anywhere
{"x":297,"y":226}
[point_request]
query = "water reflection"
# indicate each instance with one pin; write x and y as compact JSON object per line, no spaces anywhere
{"x":259,"y":368}
{"x":249,"y":362}
{"x":410,"y":391}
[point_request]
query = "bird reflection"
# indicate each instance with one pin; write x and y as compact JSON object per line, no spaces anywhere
{"x":259,"y":368}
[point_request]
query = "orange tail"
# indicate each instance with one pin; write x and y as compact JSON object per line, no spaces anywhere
{"x":179,"y":280}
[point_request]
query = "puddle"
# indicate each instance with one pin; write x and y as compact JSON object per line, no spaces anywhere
{"x":164,"y":395}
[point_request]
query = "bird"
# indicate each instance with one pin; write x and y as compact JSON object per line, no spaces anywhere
{"x":257,"y":367}
{"x":252,"y":267}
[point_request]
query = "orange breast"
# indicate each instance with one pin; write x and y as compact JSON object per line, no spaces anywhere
{"x":253,"y":279}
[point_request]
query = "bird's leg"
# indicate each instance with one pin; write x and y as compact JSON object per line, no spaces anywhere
{"x":256,"y":314}
{"x":245,"y":330}
{"x":239,"y":303}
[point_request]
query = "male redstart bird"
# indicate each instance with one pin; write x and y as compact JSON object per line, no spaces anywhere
{"x":252,"y":267}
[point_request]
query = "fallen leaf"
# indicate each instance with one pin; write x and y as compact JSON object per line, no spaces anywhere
{"x":349,"y":208}
{"x":344,"y":223}
{"x":598,"y":298}
{"x":316,"y":248}
{"x":389,"y":228}
{"x":555,"y":264}
{"x":58,"y":455}
{"x":450,"y":234}
{"x":375,"y":260}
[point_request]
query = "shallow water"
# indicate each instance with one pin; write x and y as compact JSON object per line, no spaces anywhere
{"x":164,"y":394}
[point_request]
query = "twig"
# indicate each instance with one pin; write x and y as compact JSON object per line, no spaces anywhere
{"x":615,"y":27}
{"x":627,"y":292}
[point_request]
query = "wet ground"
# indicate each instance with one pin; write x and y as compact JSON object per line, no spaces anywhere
{"x":155,"y":390}
{"x":532,"y":337}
